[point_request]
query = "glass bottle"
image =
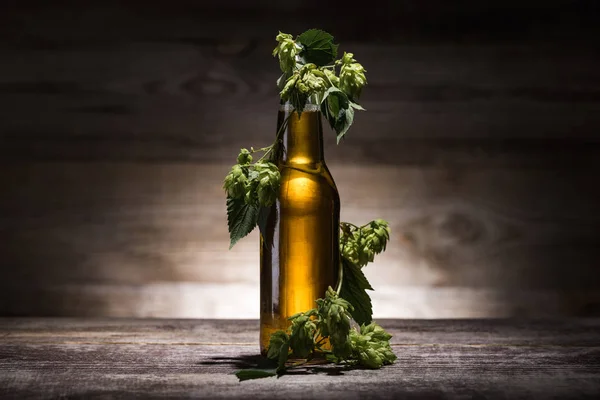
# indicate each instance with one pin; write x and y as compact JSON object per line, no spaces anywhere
{"x":299,"y":253}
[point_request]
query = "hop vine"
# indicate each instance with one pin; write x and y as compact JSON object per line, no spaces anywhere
{"x":310,"y":72}
{"x":340,"y":327}
{"x":257,"y":184}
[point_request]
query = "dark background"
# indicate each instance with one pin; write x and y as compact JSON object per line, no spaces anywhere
{"x":118,"y":121}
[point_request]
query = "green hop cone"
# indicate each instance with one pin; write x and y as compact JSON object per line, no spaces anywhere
{"x":331,"y":77}
{"x":376,"y":235}
{"x":375,"y":332}
{"x":371,"y":346}
{"x":302,"y":87}
{"x":268,"y":183}
{"x":251,"y":188}
{"x":352,"y":76}
{"x":371,"y":358}
{"x":311,"y":79}
{"x":235,"y":182}
{"x":361,"y":245}
{"x":278,"y":338}
{"x":350,"y":251}
{"x":244,"y":157}
{"x":362,"y":251}
{"x":365,"y":252}
{"x":286,"y":50}
{"x":313,"y":82}
{"x":302,"y":338}
{"x":289,"y":86}
{"x":335,"y":316}
{"x":307,"y":80}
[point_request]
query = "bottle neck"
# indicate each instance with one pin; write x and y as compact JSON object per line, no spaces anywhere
{"x":303,"y":137}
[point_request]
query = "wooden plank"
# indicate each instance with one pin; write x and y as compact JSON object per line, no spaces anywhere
{"x":155,"y":101}
{"x":480,"y":146}
{"x":133,"y":240}
{"x":527,"y":360}
{"x":569,"y":332}
{"x":205,"y":300}
{"x":166,"y":222}
{"x":170,"y":371}
{"x":164,"y":85}
{"x":469,"y":20}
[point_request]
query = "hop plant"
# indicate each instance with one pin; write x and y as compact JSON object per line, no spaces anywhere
{"x":268,"y":179}
{"x":290,"y":84}
{"x":307,"y":81}
{"x":335,"y":314}
{"x":371,"y":346}
{"x":235,"y":182}
{"x":368,"y":347}
{"x":303,"y":330}
{"x":375,"y":332}
{"x":244,"y":157}
{"x":313,"y":78}
{"x":286,"y":50}
{"x":276,"y":341}
{"x":352,"y":76}
{"x":331,"y":77}
{"x":310,"y":69}
{"x":350,"y":251}
{"x":376,"y":235}
{"x":360,"y":245}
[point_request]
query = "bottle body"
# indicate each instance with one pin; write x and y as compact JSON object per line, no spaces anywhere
{"x":299,"y":252}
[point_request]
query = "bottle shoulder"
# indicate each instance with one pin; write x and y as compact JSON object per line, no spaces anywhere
{"x":303,"y":181}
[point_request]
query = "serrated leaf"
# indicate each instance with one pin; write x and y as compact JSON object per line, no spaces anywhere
{"x":261,"y":221}
{"x":325,"y":110}
{"x":263,"y":216}
{"x":334,"y":107}
{"x":241,"y":219}
{"x":340,"y":96}
{"x":318,"y":46}
{"x":354,"y":286}
{"x":343,"y":122}
{"x":246,"y":374}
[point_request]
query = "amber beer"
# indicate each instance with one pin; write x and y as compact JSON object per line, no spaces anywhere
{"x":299,"y":252}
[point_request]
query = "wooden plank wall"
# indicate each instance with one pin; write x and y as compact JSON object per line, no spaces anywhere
{"x":118,"y":121}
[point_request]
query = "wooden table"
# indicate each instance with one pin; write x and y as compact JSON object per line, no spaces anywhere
{"x":470,"y":359}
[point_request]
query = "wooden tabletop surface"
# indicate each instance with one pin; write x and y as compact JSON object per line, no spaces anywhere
{"x":466,"y":359}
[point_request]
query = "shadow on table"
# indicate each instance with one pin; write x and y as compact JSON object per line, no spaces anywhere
{"x":318,"y":366}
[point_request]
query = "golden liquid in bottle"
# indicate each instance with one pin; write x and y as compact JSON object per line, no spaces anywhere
{"x":299,"y":253}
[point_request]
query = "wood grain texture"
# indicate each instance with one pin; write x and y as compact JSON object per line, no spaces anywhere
{"x":480,"y":146}
{"x":133,"y":239}
{"x":155,"y":102}
{"x":194,"y":82}
{"x":196,"y":358}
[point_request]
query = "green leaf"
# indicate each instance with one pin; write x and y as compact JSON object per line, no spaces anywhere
{"x":282,"y":80}
{"x":337,"y":95}
{"x":332,"y":104}
{"x":354,"y":286}
{"x":298,"y":101}
{"x":343,"y":122}
{"x":283,"y":356}
{"x":241,"y":219}
{"x":356,"y":106}
{"x":318,"y":46}
{"x":263,"y":216}
{"x":246,"y":374}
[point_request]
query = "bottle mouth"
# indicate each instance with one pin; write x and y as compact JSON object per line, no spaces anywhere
{"x":287,"y":107}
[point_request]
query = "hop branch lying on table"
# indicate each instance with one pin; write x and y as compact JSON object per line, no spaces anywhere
{"x":368,"y":346}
